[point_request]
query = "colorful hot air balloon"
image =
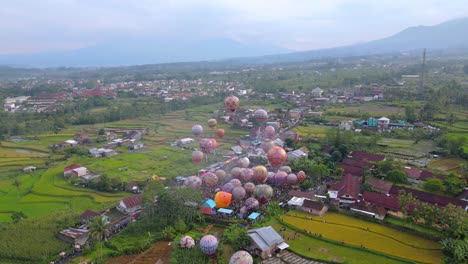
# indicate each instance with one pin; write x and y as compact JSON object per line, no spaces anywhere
{"x":243,"y":210}
{"x":228,"y":187}
{"x":249,"y":187}
{"x":187,"y":242}
{"x":214,"y":144}
{"x":197,"y":156}
{"x":193,"y":181}
{"x":269,"y":132}
{"x":260,"y":174}
{"x":246,"y":174}
{"x":276,"y":156}
{"x":260,"y":115}
{"x":301,"y":176}
{"x":238,"y":193}
{"x":210,"y":179}
{"x":235,"y":182}
{"x":231,"y":103}
{"x":267,"y":145}
{"x":271,"y":177}
{"x":221,"y":175}
{"x":241,"y":257}
{"x":208,"y":244}
{"x":286,"y":169}
{"x":212,"y":123}
{"x":280,"y":178}
{"x":263,"y":193}
{"x":207,"y":144}
{"x":251,"y":204}
{"x":222,"y":199}
{"x":244,"y":162}
{"x":291,"y":179}
{"x":236,"y":172}
{"x":220,"y":132}
{"x":197,"y":130}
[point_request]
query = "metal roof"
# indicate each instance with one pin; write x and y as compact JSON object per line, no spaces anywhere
{"x":265,"y":237}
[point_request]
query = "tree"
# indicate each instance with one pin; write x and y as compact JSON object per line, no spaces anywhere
{"x":99,"y":231}
{"x":17,"y":216}
{"x":456,"y":250}
{"x":169,"y":233}
{"x":306,"y":185}
{"x":433,"y":185}
{"x":410,"y":113}
{"x":396,"y":176}
{"x":101,"y":132}
{"x":405,"y":200}
{"x":453,"y":184}
{"x":236,"y":236}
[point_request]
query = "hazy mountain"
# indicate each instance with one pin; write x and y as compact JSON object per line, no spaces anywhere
{"x":142,"y":51}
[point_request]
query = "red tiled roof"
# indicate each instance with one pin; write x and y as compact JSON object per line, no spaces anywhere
{"x":370,"y":208}
{"x":383,"y":200}
{"x":413,"y":172}
{"x":352,"y":186}
{"x":71,"y":167}
{"x":360,"y":155}
{"x":88,"y":214}
{"x":356,"y":163}
{"x":379,"y":185}
{"x":428,"y":197}
{"x":352,"y":170}
{"x":308,"y":195}
{"x":313,"y":205}
{"x":133,"y":200}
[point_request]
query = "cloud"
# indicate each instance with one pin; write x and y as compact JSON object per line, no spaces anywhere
{"x":295,"y":24}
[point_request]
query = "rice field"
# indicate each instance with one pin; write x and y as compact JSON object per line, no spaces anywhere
{"x":372,"y":236}
{"x":314,"y":131}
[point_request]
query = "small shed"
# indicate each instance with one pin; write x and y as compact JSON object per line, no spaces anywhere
{"x":75,"y":236}
{"x":29,"y":169}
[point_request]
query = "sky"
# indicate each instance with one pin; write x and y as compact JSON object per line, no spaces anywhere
{"x":53,"y":25}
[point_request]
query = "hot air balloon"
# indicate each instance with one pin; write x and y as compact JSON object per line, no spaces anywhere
{"x":286,"y":169}
{"x":197,"y":156}
{"x":238,"y":193}
{"x":267,"y":145}
{"x":193,"y":181}
{"x":197,"y":130}
{"x":222,"y":199}
{"x":220,"y":132}
{"x":244,"y":162}
{"x":243,"y":210}
{"x":212,"y":123}
{"x":221,"y":174}
{"x":236,"y":172}
{"x":270,"y":177}
{"x":276,"y":156}
{"x":241,"y":257}
{"x":246,"y":174}
{"x":208,"y":244}
{"x":251,"y":204}
{"x":269,"y":132}
{"x":210,"y":179}
{"x":260,"y":115}
{"x":291,"y":179}
{"x":187,"y":242}
{"x":260,"y":174}
{"x":249,"y":187}
{"x":301,"y":176}
{"x":207,"y":145}
{"x":231,"y":103}
{"x":228,"y":187}
{"x":235,"y":182}
{"x":280,"y":178}
{"x":263,"y":193}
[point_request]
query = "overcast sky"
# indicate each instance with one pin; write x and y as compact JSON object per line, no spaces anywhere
{"x":39,"y":25}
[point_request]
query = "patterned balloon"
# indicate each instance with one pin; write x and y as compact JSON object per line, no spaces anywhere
{"x":251,"y":204}
{"x":291,"y":179}
{"x":249,"y":187}
{"x":197,"y":130}
{"x":208,"y":244}
{"x":286,"y":169}
{"x":244,"y":162}
{"x":220,"y":133}
{"x":236,"y":172}
{"x":280,"y":178}
{"x":187,"y":242}
{"x":193,"y":181}
{"x":222,"y":199}
{"x":271,"y":177}
{"x":235,"y":182}
{"x":212,"y":123}
{"x":207,"y":145}
{"x":241,"y":257}
{"x":267,"y":145}
{"x":247,"y":174}
{"x":221,"y":174}
{"x":238,"y":193}
{"x":231,"y":103}
{"x":301,"y":176}
{"x":260,"y":174}
{"x":260,"y":115}
{"x":276,"y":156}
{"x":197,"y":156}
{"x":263,"y":193}
{"x":228,"y":187}
{"x":210,"y":179}
{"x":270,"y":132}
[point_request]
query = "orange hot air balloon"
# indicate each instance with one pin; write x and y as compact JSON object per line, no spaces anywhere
{"x":231,"y":103}
{"x":301,"y":176}
{"x":220,"y":133}
{"x":276,"y":156}
{"x":222,"y":199}
{"x":197,"y":156}
{"x":212,"y":123}
{"x":260,"y":174}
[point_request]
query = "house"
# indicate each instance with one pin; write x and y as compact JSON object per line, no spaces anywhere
{"x":429,"y":197}
{"x":207,"y":207}
{"x":379,"y":185}
{"x":389,"y":203}
{"x":356,"y":171}
{"x":296,"y":193}
{"x":133,"y":134}
{"x":347,"y":191}
{"x":296,"y":154}
{"x":237,"y":149}
{"x":88,"y":214}
{"x":135,"y":145}
{"x":317,"y":92}
{"x":71,"y":142}
{"x":314,"y":207}
{"x":266,"y":241}
{"x":130,"y":204}
{"x":357,"y":163}
{"x":82,"y":138}
{"x":75,"y":236}
{"x":370,"y":210}
{"x":383,"y":122}
{"x":365,"y":156}
{"x":413,"y":174}
{"x":29,"y":169}
{"x":73,"y":170}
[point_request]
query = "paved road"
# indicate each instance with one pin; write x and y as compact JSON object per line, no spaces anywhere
{"x":289,"y":257}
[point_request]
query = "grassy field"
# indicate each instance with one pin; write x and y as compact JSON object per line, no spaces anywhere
{"x":380,"y":238}
{"x":373,"y":109}
{"x":406,"y":148}
{"x":446,"y":164}
{"x":312,"y":131}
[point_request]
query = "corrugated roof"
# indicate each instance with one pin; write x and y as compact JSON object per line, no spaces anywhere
{"x":132,"y":201}
{"x":265,"y":237}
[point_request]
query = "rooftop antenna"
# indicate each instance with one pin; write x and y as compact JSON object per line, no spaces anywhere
{"x":421,"y":77}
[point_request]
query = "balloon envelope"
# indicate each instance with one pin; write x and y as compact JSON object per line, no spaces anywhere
{"x":244,"y":162}
{"x":236,"y":172}
{"x":260,"y":174}
{"x":220,"y":133}
{"x":270,"y":132}
{"x":241,"y":257}
{"x":212,"y":123}
{"x":267,"y":145}
{"x":231,"y":102}
{"x":301,"y":176}
{"x":221,"y":175}
{"x":249,"y":187}
{"x":260,"y":115}
{"x":276,"y":156}
{"x":187,"y":242}
{"x":251,"y":204}
{"x":210,"y":179}
{"x":193,"y":181}
{"x":263,"y":192}
{"x":280,"y":178}
{"x":208,"y":244}
{"x":197,"y":156}
{"x":235,"y":182}
{"x":247,"y":174}
{"x":291,"y":179}
{"x":238,"y":193}
{"x":222,"y":199}
{"x":197,"y":130}
{"x":228,"y":187}
{"x":286,"y":169}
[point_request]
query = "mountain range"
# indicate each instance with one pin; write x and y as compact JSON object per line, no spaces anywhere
{"x":136,"y":51}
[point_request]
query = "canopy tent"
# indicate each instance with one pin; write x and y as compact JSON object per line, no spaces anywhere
{"x":180,"y":178}
{"x":206,"y":211}
{"x":283,"y":246}
{"x":208,"y":203}
{"x":225,"y":211}
{"x":254,"y":216}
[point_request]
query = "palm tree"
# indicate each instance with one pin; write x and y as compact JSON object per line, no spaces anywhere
{"x":99,"y":231}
